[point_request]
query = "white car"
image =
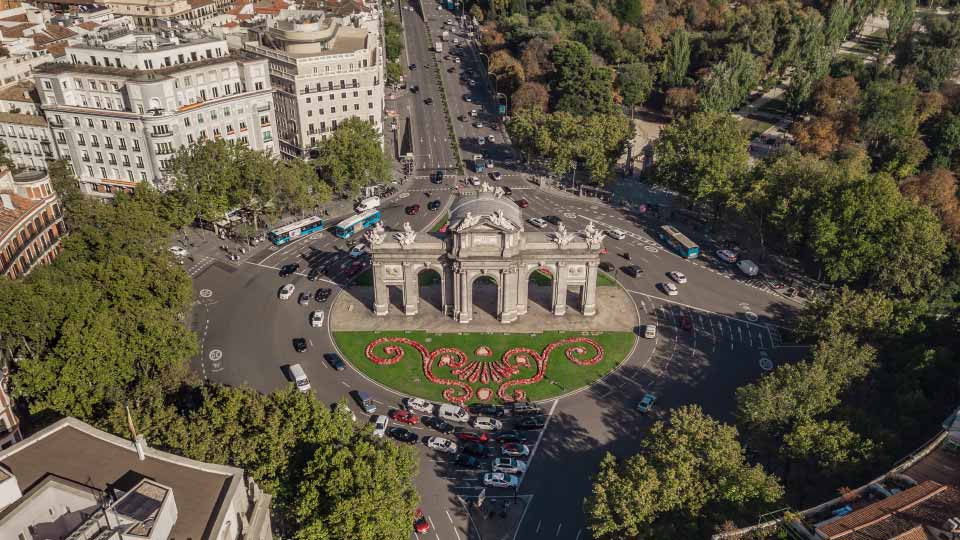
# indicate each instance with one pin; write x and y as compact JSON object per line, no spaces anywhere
{"x":442,"y":445}
{"x":179,"y":251}
{"x":481,"y":141}
{"x":456,"y":60}
{"x":726,"y":255}
{"x":474,"y":181}
{"x":420,"y":405}
{"x":650,"y":331}
{"x":358,"y":250}
{"x":491,"y":139}
{"x":537,"y":222}
{"x":500,"y":480}
{"x":616,"y":234}
{"x":670,"y":289}
{"x":508,"y":465}
{"x":678,"y":277}
{"x":478,"y":124}
{"x":474,"y":113}
{"x":380,"y":425}
{"x":287,"y":291}
{"x":486,"y":423}
{"x":316,"y":319}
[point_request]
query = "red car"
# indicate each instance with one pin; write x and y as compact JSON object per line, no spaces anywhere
{"x":686,"y":323}
{"x":420,"y":523}
{"x":466,"y":436}
{"x":404,"y":417}
{"x":413,"y":209}
{"x":522,"y":203}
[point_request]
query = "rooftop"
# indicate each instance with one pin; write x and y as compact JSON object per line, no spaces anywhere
{"x":929,"y":504}
{"x":485,"y":204}
{"x":141,"y":74}
{"x":21,"y":207}
{"x":24,"y":119}
{"x":18,"y":92}
{"x":74,"y":450}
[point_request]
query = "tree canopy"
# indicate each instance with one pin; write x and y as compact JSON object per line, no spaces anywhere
{"x":353,"y":157}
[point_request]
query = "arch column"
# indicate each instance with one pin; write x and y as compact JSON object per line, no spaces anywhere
{"x":465,"y":312}
{"x":523,"y":289}
{"x":381,"y":296}
{"x":559,"y":302}
{"x":588,"y":303}
{"x":411,"y":290}
{"x":509,"y":278}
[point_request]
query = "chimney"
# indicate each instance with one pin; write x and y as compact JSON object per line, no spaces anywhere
{"x":7,"y":202}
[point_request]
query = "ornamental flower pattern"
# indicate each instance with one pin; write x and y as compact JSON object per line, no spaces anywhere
{"x":581,"y":351}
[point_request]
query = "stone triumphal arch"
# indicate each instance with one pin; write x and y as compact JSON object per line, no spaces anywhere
{"x":485,"y":245}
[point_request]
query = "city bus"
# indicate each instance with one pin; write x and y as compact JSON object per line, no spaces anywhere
{"x":295,"y":230}
{"x":679,"y":242}
{"x":357,"y":223}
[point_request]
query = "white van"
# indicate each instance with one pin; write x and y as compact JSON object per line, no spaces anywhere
{"x":367,"y":204}
{"x":300,"y":378}
{"x":454,"y":413}
{"x":748,"y":267}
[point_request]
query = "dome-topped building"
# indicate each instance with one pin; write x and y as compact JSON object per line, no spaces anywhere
{"x":486,"y":239}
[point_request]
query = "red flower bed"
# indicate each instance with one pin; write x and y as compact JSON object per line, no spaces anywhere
{"x":500,"y":371}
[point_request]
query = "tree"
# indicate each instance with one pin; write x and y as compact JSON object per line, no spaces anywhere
{"x":580,"y":87}
{"x":535,"y":58}
{"x":6,"y":162}
{"x":867,"y":314}
{"x":828,"y":444}
{"x":691,"y":474}
{"x":900,"y":14}
{"x":676,"y":59}
{"x":703,"y":156}
{"x":817,"y":135}
{"x":205,"y":175}
{"x":936,"y":51}
{"x":635,"y":82}
{"x":681,"y":101}
{"x":476,"y":12}
{"x":937,"y":190}
{"x":890,"y":124}
{"x":360,"y":488}
{"x":730,"y":81}
{"x":506,"y":70}
{"x":530,"y":95}
{"x":942,"y":134}
{"x":353,"y":157}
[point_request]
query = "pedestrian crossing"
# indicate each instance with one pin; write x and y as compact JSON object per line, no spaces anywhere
{"x":716,"y":329}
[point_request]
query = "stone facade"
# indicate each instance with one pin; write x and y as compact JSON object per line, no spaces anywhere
{"x":486,"y":240}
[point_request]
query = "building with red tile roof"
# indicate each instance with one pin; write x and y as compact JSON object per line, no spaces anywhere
{"x":31,"y":222}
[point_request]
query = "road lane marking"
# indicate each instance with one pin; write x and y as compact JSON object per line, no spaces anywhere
{"x":536,"y":445}
{"x":558,"y":528}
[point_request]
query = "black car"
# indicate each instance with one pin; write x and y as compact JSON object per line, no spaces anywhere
{"x":439,"y":176}
{"x":532,"y":422}
{"x":437,"y":423}
{"x":467,"y":462}
{"x":322,"y":295}
{"x":433,"y":206}
{"x":486,"y":409}
{"x":506,"y":190}
{"x":304,"y":299}
{"x":414,"y":89}
{"x":607,"y":267}
{"x":475,"y":449}
{"x":554,"y":220}
{"x":403,"y":435}
{"x":512,"y":436}
{"x":413,"y":66}
{"x":299,"y":344}
{"x":451,"y":69}
{"x":525,"y":409}
{"x":289,"y":269}
{"x":633,"y":270}
{"x":335,"y":361}
{"x":428,"y":101}
{"x":314,"y":274}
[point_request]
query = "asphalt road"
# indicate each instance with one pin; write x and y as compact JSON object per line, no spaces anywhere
{"x":431,"y":145}
{"x":247,"y":332}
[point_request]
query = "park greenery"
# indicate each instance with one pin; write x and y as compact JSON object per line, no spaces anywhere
{"x":393,"y":45}
{"x":104,"y":328}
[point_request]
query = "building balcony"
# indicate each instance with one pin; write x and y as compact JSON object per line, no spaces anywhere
{"x":160,"y":134}
{"x":263,"y":108}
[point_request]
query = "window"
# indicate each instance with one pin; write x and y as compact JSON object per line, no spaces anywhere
{"x":369,"y":92}
{"x":103,"y":124}
{"x":186,"y":122}
{"x":370,"y":105}
{"x":356,"y":106}
{"x":76,"y":121}
{"x":107,"y":142}
{"x":90,"y":122}
{"x":133,"y":127}
{"x":243,"y":126}
{"x":140,"y":161}
{"x":80,"y":140}
{"x":136,"y":145}
{"x":47,"y":85}
{"x":258,"y":85}
{"x":118,"y":125}
{"x":189,"y":138}
{"x":343,"y":95}
{"x":123,"y":144}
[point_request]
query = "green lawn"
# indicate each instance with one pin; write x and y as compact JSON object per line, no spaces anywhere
{"x":439,"y":224}
{"x":407,"y":375}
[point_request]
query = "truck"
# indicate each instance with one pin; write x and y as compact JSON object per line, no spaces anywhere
{"x":438,"y":47}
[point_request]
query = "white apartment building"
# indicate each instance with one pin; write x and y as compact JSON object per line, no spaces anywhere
{"x":325,"y":67}
{"x":149,"y":13}
{"x":124,"y":103}
{"x":72,"y":481}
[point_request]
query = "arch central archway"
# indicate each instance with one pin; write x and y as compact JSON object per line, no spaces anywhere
{"x":485,"y":292}
{"x":540,"y":289}
{"x":430,"y":288}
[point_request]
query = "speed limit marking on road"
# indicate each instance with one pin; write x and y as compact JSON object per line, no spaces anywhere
{"x":206,"y":293}
{"x":215,"y":355}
